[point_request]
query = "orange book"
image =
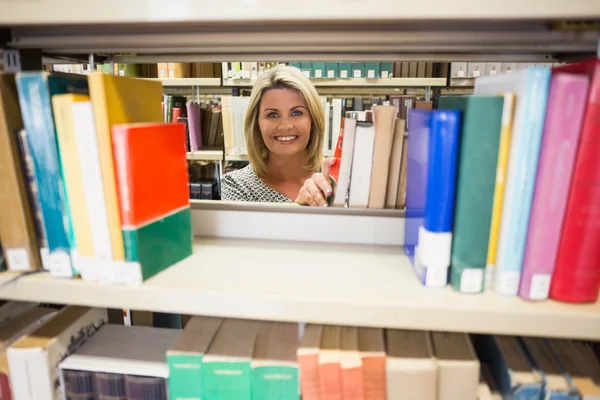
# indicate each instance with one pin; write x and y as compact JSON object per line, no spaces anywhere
{"x":155,"y":154}
{"x":308,"y":360}
{"x":351,"y":364}
{"x":330,"y":374}
{"x":372,"y":353}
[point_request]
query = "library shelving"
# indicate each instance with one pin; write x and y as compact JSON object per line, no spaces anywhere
{"x":214,"y":155}
{"x":356,"y":82}
{"x":189,"y":82}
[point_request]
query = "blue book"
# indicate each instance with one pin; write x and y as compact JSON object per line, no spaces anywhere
{"x":531,"y":87}
{"x":433,"y":140}
{"x":35,"y":98}
{"x":510,"y":366}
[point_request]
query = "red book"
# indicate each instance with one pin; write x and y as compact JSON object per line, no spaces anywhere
{"x":576,"y":276}
{"x":5,"y":393}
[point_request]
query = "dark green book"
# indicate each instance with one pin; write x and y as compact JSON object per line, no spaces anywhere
{"x":476,"y":181}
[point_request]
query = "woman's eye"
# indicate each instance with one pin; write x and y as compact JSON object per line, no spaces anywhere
{"x":272,"y":115}
{"x":296,"y":112}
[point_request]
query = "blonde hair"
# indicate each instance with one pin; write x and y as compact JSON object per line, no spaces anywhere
{"x":291,"y":78}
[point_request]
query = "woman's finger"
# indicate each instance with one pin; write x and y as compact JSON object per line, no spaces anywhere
{"x":315,"y":192}
{"x":323,"y":183}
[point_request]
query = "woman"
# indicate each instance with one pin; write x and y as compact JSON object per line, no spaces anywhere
{"x":284,"y":134}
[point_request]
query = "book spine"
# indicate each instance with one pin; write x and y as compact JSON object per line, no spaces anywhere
{"x":330,"y":381}
{"x":309,"y":375}
{"x":145,"y":387}
{"x":110,"y":386}
{"x":576,"y":275}
{"x":78,"y":384}
{"x":435,"y":236}
{"x":520,"y":184}
{"x":499,"y":190}
{"x":559,"y":146}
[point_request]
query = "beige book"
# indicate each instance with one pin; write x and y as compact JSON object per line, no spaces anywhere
{"x":33,"y":360}
{"x":384,"y":134}
{"x":235,"y":339}
{"x":228,"y":137}
{"x":411,"y":368}
{"x":371,"y":344}
{"x":276,"y":344}
{"x":330,"y":380}
{"x":401,"y":195}
{"x":179,"y":70}
{"x":17,"y":229}
{"x":13,"y":309}
{"x":391,"y":195}
{"x":308,"y":359}
{"x":581,"y":365}
{"x":195,"y":338}
{"x":351,"y":365}
{"x":458,"y":366}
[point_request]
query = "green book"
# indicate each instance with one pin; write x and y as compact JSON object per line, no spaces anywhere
{"x":185,"y":357}
{"x":274,"y":364}
{"x":156,"y":245}
{"x":331,"y":70}
{"x":226,"y":368}
{"x":476,"y":181}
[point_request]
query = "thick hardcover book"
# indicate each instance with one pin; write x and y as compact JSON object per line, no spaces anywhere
{"x":308,"y":360}
{"x":351,"y":365}
{"x":17,"y":221}
{"x":35,"y":92}
{"x":330,"y":372}
{"x":531,"y":87}
{"x":480,"y":138}
{"x":119,"y":100}
{"x":371,"y":344}
{"x":384,"y":134}
{"x":576,"y":275}
{"x":156,"y":225}
{"x":432,"y":175}
{"x":566,"y":104}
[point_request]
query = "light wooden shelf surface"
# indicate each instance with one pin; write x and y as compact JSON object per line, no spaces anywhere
{"x":319,"y":283}
{"x":214,"y":155}
{"x":355,"y":82}
{"x":189,"y":82}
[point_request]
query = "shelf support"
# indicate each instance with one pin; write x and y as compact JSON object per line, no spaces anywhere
{"x":22,"y":60}
{"x":427,"y":93}
{"x":91,"y":62}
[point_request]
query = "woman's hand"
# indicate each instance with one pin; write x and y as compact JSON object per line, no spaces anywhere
{"x":317,"y":188}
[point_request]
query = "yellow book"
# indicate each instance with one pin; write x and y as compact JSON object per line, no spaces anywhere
{"x":119,"y":100}
{"x":503,"y":155}
{"x":69,"y":157}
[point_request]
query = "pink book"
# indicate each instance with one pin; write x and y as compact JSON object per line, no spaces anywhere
{"x":566,"y":104}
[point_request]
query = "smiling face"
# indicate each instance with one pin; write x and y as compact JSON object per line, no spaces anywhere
{"x":284,"y":122}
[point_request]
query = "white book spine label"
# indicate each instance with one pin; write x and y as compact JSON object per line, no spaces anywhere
{"x":60,"y":264}
{"x":17,"y":259}
{"x":540,"y":286}
{"x":318,"y":73}
{"x":357,"y":73}
{"x":508,"y":283}
{"x":331,"y":74}
{"x":344,"y":74}
{"x":45,"y":255}
{"x":371,"y":73}
{"x":435,"y":248}
{"x":471,"y":280}
{"x":385,"y":74}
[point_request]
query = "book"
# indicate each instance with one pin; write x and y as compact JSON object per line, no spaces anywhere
{"x":475,"y":183}
{"x":330,"y":374}
{"x":395,"y":168}
{"x":576,"y":276}
{"x":308,"y":360}
{"x":531,"y":88}
{"x":566,"y":104}
{"x":458,"y":366}
{"x":185,"y":357}
{"x":226,"y":367}
{"x":156,"y":226}
{"x":362,"y":165}
{"x":371,"y":343}
{"x":433,"y":140}
{"x":274,"y":363}
{"x":503,"y":156}
{"x":583,"y":372}
{"x":412,"y":372}
{"x":35,"y":92}
{"x":119,"y":100}
{"x":384,"y":117}
{"x":343,"y":182}
{"x":351,"y":365}
{"x":17,"y":221}
{"x":43,"y":349}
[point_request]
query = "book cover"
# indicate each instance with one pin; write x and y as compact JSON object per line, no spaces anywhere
{"x":351,"y":365}
{"x":17,"y":221}
{"x":439,"y":154}
{"x":583,"y":372}
{"x":566,"y":104}
{"x":184,"y":358}
{"x":156,"y":225}
{"x":475,"y":183}
{"x":343,"y":181}
{"x":384,"y":117}
{"x":226,"y":368}
{"x":458,"y":366}
{"x":371,"y":344}
{"x":395,"y":168}
{"x":531,"y":87}
{"x":503,"y":155}
{"x":362,"y":165}
{"x":35,"y":92}
{"x":274,"y":363}
{"x":330,"y":374}
{"x":308,"y":360}
{"x":412,"y":372}
{"x":576,"y":275}
{"x":119,"y":100}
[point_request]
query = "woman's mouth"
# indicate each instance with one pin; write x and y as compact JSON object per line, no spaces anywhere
{"x":286,"y":139}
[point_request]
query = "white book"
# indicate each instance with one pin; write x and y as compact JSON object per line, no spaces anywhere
{"x":362,"y":165}
{"x":93,"y":188}
{"x":336,"y":109}
{"x":343,"y":183}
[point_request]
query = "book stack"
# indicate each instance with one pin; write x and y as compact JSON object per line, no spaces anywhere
{"x":84,"y":156}
{"x":500,"y":192}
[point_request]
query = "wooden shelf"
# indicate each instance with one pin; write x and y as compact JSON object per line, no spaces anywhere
{"x":355,"y":82}
{"x":189,"y":82}
{"x":214,"y":155}
{"x":344,"y":284}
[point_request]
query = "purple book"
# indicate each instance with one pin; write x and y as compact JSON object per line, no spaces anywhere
{"x":194,"y":126}
{"x":566,"y":104}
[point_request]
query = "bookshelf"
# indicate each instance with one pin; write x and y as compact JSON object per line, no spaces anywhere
{"x":344,"y":284}
{"x":356,"y":82}
{"x":189,"y":82}
{"x":214,"y":155}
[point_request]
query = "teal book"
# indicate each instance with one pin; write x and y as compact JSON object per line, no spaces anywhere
{"x":35,"y":98}
{"x":185,"y":357}
{"x":274,"y":364}
{"x":476,"y":182}
{"x":226,"y":368}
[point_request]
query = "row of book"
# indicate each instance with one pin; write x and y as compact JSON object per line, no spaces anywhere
{"x":477,"y":69}
{"x":75,"y":353}
{"x":83,"y":157}
{"x":160,"y":70}
{"x":502,"y":186}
